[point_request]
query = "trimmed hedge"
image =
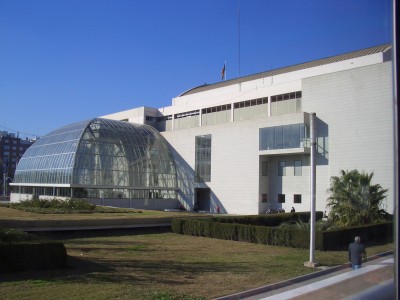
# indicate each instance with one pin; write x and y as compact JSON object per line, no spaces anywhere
{"x":241,"y":232}
{"x":273,"y":235}
{"x":267,"y":220}
{"x":21,"y":251}
{"x":339,"y":239}
{"x":32,"y":256}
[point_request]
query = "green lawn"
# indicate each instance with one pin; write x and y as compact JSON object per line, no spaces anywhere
{"x":134,"y":265}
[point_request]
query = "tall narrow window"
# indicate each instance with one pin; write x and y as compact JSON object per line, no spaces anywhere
{"x":203,"y":158}
{"x":282,"y":168}
{"x":297,"y":168}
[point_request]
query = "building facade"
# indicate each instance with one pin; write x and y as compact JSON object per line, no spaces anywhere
{"x":244,"y":144}
{"x":11,"y":150}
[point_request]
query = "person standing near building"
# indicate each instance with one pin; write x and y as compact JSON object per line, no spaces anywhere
{"x":357,"y":253}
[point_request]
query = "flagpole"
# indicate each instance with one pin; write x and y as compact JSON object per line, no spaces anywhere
{"x":239,"y":34}
{"x":225,"y":71}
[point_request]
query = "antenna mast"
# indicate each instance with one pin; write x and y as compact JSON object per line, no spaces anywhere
{"x":239,"y":34}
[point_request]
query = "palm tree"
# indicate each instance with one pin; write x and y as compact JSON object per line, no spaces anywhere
{"x":354,"y":200}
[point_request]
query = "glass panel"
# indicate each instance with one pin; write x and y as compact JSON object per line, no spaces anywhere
{"x":283,"y":137}
{"x":297,"y":168}
{"x":281,"y":168}
{"x":203,"y":158}
{"x":100,"y":152}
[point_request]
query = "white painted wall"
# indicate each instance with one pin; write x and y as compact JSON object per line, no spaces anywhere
{"x":235,"y":179}
{"x":356,"y":106}
{"x":352,"y":100}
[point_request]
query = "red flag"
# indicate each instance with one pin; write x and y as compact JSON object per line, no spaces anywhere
{"x":223,"y":72}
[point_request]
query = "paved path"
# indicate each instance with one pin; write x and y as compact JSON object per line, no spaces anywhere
{"x":375,"y":280}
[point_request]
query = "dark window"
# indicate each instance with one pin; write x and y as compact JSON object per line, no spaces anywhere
{"x":264,"y":198}
{"x":264,"y":170}
{"x":281,"y":198}
{"x":297,"y":198}
{"x":282,"y":168}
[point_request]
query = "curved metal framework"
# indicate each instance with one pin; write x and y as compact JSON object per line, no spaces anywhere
{"x":100,"y":158}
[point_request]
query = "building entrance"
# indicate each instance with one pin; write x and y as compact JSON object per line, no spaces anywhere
{"x":202,"y":199}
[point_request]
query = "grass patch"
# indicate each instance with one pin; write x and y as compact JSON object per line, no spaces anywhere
{"x":163,"y":266}
{"x":137,"y":248}
{"x":16,"y":218}
{"x":131,"y":265}
{"x":167,"y":296}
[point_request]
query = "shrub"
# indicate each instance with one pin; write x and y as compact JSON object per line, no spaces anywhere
{"x":55,"y":206}
{"x":22,"y":251}
{"x":10,"y":235}
{"x":32,"y":256}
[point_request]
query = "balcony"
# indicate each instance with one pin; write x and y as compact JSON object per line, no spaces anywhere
{"x":285,"y":139}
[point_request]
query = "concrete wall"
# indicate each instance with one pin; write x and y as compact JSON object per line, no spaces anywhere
{"x":355,"y":113}
{"x":354,"y":131}
{"x":235,"y":171}
{"x":352,"y":100}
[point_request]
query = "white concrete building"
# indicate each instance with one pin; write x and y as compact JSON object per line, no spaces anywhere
{"x":243,"y":144}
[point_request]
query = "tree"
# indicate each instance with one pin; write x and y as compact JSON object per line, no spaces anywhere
{"x":355,"y":200}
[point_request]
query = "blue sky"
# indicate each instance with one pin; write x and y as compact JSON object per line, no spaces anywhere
{"x":63,"y":61}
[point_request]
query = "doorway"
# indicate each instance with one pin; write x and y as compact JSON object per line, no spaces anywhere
{"x":202,"y":199}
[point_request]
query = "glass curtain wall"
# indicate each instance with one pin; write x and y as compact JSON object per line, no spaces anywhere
{"x":50,"y":159}
{"x":284,"y":137}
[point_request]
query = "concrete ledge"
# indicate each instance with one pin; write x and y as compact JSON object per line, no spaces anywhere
{"x":78,"y":228}
{"x":311,"y":264}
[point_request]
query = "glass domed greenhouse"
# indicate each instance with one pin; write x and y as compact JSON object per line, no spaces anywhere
{"x":105,"y":161}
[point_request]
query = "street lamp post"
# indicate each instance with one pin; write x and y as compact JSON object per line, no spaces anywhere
{"x":313,"y":130}
{"x":5,"y":178}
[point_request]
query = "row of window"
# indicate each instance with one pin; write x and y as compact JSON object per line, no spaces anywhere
{"x":187,"y":114}
{"x":96,"y":193}
{"x":216,"y":108}
{"x":252,"y":102}
{"x":282,"y":198}
{"x":297,"y":168}
{"x":8,"y":154}
{"x":282,"y":168}
{"x":6,"y":141}
{"x":287,"y":96}
{"x":247,"y":103}
{"x":7,"y":147}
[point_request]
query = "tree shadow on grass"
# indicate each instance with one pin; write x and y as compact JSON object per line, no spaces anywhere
{"x":84,"y":270}
{"x":75,"y":267}
{"x":161,"y":272}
